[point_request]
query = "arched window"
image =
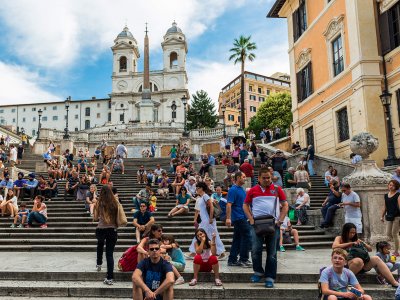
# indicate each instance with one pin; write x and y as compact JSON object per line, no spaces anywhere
{"x":153,"y":88}
{"x":173,"y":110}
{"x":87,"y":124}
{"x":173,"y":60}
{"x":122,"y":64}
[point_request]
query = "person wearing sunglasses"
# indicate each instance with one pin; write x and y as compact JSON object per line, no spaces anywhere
{"x":153,"y":278}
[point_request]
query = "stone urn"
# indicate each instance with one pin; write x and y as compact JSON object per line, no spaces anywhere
{"x":364,"y":144}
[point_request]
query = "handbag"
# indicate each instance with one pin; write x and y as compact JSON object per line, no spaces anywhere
{"x":217,"y":209}
{"x":121,"y":217}
{"x":266,"y":225}
{"x":360,"y":252}
{"x":389,"y":217}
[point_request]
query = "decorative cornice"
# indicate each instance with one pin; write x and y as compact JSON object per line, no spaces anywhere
{"x":303,"y":58}
{"x":334,"y":26}
{"x":386,"y":4}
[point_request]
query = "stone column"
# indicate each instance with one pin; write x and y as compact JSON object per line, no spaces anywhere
{"x":370,"y":183}
{"x":66,"y":144}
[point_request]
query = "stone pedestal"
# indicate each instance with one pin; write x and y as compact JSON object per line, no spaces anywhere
{"x":291,"y":195}
{"x":66,"y":144}
{"x":197,"y":165}
{"x":218,"y":173}
{"x":146,"y":109}
{"x":40,"y":147}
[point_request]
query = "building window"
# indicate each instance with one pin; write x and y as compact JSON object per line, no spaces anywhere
{"x":389,"y":27}
{"x":173,"y":108}
{"x":310,"y":135}
{"x":55,"y":118}
{"x":304,"y":83}
{"x":173,"y":60}
{"x":299,"y":20}
{"x":109,"y":117}
{"x":1,"y":111}
{"x":54,"y":107}
{"x":76,"y":117}
{"x":109,"y":104}
{"x":13,"y":110}
{"x":398,"y":104}
{"x":253,"y":109}
{"x":77,"y":106}
{"x":13,"y":120}
{"x":261,"y":99}
{"x":250,"y":88}
{"x":122,"y":64}
{"x":121,"y":117}
{"x":87,"y":124}
{"x":34,"y":119}
{"x":268,"y":92}
{"x":76,"y":129}
{"x":44,"y":119}
{"x":24,"y":109}
{"x":23,"y":120}
{"x":253,"y":97}
{"x":33,"y":132}
{"x":33,"y":108}
{"x":2,"y":121}
{"x":260,"y":90}
{"x":45,"y":108}
{"x":337,"y":52}
{"x":98,"y":104}
{"x":87,"y":111}
{"x":98,"y":115}
{"x":343,"y":125}
{"x":231,"y":118}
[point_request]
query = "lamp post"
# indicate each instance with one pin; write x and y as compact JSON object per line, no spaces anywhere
{"x":223,"y":109}
{"x":40,"y":112}
{"x":184,"y":102}
{"x":386,"y":99}
{"x":66,"y":130}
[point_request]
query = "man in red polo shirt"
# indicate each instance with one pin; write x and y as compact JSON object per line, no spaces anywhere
{"x":248,"y":170}
{"x":260,"y":201}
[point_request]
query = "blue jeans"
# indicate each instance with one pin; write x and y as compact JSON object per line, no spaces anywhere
{"x":271,"y":262}
{"x":241,"y":241}
{"x":36,"y":216}
{"x":310,"y":167}
{"x":328,"y":212}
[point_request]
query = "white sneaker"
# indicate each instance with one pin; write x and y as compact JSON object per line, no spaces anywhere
{"x":98,"y":268}
{"x":108,"y":281}
{"x":179,"y":281}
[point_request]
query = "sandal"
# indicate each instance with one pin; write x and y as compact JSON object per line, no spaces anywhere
{"x":218,"y":282}
{"x":193,"y":282}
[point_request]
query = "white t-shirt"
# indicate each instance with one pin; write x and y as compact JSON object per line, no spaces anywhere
{"x":351,"y":211}
{"x":328,"y":175}
{"x":13,"y":154}
{"x":285,"y":223}
{"x":14,"y":201}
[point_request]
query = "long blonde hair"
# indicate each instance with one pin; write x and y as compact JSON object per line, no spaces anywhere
{"x":107,"y":205}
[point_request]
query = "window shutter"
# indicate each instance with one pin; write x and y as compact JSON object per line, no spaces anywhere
{"x":398,"y":104}
{"x":384,"y":32}
{"x":298,"y":82}
{"x":295,"y":25}
{"x":310,"y":78}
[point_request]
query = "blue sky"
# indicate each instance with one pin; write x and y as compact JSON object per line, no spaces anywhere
{"x":52,"y":49}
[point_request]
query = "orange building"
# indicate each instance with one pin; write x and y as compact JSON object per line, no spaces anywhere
{"x":337,"y":71}
{"x":256,"y":89}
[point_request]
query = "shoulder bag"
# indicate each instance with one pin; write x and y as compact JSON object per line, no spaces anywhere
{"x":266,"y":225}
{"x":121,"y":217}
{"x":217,"y":208}
{"x":358,"y":251}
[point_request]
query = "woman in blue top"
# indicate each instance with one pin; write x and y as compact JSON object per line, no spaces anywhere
{"x":182,"y":204}
{"x":173,"y":253}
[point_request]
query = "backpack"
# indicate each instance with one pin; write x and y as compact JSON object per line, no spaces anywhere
{"x":128,"y":260}
{"x":330,"y":275}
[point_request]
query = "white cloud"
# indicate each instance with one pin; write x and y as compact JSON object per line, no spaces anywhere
{"x":19,"y":85}
{"x":55,"y":34}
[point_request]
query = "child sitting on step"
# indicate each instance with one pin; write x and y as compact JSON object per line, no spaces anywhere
{"x":21,"y":216}
{"x":152,"y":201}
{"x":172,"y":253}
{"x":286,"y":235}
{"x":383,"y":252}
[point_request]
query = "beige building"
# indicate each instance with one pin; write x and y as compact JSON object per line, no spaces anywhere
{"x":256,"y":89}
{"x":338,"y":73}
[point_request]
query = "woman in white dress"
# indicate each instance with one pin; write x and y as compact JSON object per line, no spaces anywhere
{"x":207,"y":223}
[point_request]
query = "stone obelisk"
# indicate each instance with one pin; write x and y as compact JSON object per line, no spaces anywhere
{"x":146,"y":105}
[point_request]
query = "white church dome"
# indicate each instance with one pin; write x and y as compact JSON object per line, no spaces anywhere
{"x":174,"y":29}
{"x":125,"y":33}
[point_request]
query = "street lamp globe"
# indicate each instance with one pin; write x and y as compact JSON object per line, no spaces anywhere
{"x":223,"y":108}
{"x":184,"y":100}
{"x":67,"y":102}
{"x":386,"y":98}
{"x":40,"y":112}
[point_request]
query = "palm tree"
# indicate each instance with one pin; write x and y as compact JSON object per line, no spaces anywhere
{"x":241,"y":52}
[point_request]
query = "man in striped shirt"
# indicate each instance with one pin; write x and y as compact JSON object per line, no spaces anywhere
{"x":260,"y":201}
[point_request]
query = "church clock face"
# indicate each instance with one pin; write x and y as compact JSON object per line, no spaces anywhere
{"x":122,"y":85}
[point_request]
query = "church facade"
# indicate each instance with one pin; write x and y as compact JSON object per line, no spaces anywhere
{"x":133,"y":99}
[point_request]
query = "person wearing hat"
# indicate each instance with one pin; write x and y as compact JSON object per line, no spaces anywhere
{"x":30,"y":186}
{"x":19,"y":184}
{"x":190,"y":186}
{"x":6,"y":184}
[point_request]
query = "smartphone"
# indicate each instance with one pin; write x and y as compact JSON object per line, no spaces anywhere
{"x":355,"y":292}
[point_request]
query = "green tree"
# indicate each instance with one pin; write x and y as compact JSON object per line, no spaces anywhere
{"x":276,"y":111}
{"x":241,"y":51}
{"x":202,"y":112}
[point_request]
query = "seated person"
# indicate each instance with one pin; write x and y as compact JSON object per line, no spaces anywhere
{"x":181,"y":168}
{"x":328,"y":175}
{"x":149,"y":176}
{"x":182,"y":204}
{"x":21,"y":216}
{"x":276,"y":177}
{"x":383,"y":252}
{"x":30,"y":186}
{"x":159,"y":284}
{"x":91,"y":199}
{"x":232,"y":168}
{"x":106,"y":160}
{"x":82,"y":164}
{"x":163,"y":186}
{"x":142,"y":196}
{"x":289,"y":180}
{"x":172,"y":253}
{"x":38,"y":213}
{"x":83,"y":188}
{"x":141,"y":175}
{"x":6,"y":184}
{"x":178,"y":183}
{"x":118,"y":165}
{"x":336,"y":279}
{"x":41,"y":189}
{"x":286,"y":236}
{"x":263,"y":157}
{"x":104,"y":176}
{"x":158,"y":173}
{"x":152,"y":201}
{"x":296,"y":147}
{"x":331,"y":204}
{"x":19,"y":184}
{"x":68,"y":156}
{"x":142,"y":221}
{"x":9,"y":206}
{"x":206,"y":257}
{"x":71,"y":187}
{"x":190,"y":185}
{"x":97,"y":153}
{"x":91,"y":172}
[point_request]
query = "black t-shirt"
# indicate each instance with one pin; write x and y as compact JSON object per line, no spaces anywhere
{"x":310,"y":153}
{"x":277,"y":163}
{"x":142,"y":219}
{"x":154,"y":274}
{"x":262,"y":156}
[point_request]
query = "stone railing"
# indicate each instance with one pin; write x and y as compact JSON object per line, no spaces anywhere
{"x":213,"y":132}
{"x":135,"y":135}
{"x":14,"y":139}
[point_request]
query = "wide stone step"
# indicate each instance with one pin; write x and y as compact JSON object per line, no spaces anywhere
{"x":201,"y":291}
